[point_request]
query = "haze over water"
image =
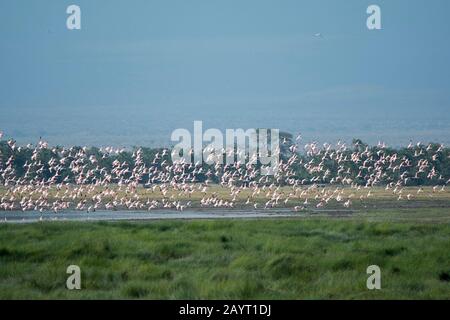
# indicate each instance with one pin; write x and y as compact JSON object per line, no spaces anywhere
{"x":136,"y":127}
{"x":137,"y":71}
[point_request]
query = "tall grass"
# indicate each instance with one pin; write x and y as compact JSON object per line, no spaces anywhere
{"x":256,"y":259}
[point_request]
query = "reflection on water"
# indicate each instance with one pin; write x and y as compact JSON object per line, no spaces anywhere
{"x":24,"y":217}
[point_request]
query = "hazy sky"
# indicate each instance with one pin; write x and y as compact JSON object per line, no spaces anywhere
{"x":185,"y":57}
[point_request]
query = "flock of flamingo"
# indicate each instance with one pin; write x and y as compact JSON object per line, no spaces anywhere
{"x":338,"y":174}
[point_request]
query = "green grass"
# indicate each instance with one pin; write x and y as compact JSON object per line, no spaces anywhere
{"x":303,"y":258}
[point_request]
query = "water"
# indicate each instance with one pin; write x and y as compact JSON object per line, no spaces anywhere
{"x":30,"y":217}
{"x":152,"y":127}
{"x":27,"y":217}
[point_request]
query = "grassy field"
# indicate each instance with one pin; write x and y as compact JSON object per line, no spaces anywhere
{"x":300,"y":258}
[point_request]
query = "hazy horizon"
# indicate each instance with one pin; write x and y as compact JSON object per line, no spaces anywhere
{"x":137,"y":71}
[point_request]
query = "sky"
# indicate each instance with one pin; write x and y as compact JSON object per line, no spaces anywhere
{"x":139,"y":69}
